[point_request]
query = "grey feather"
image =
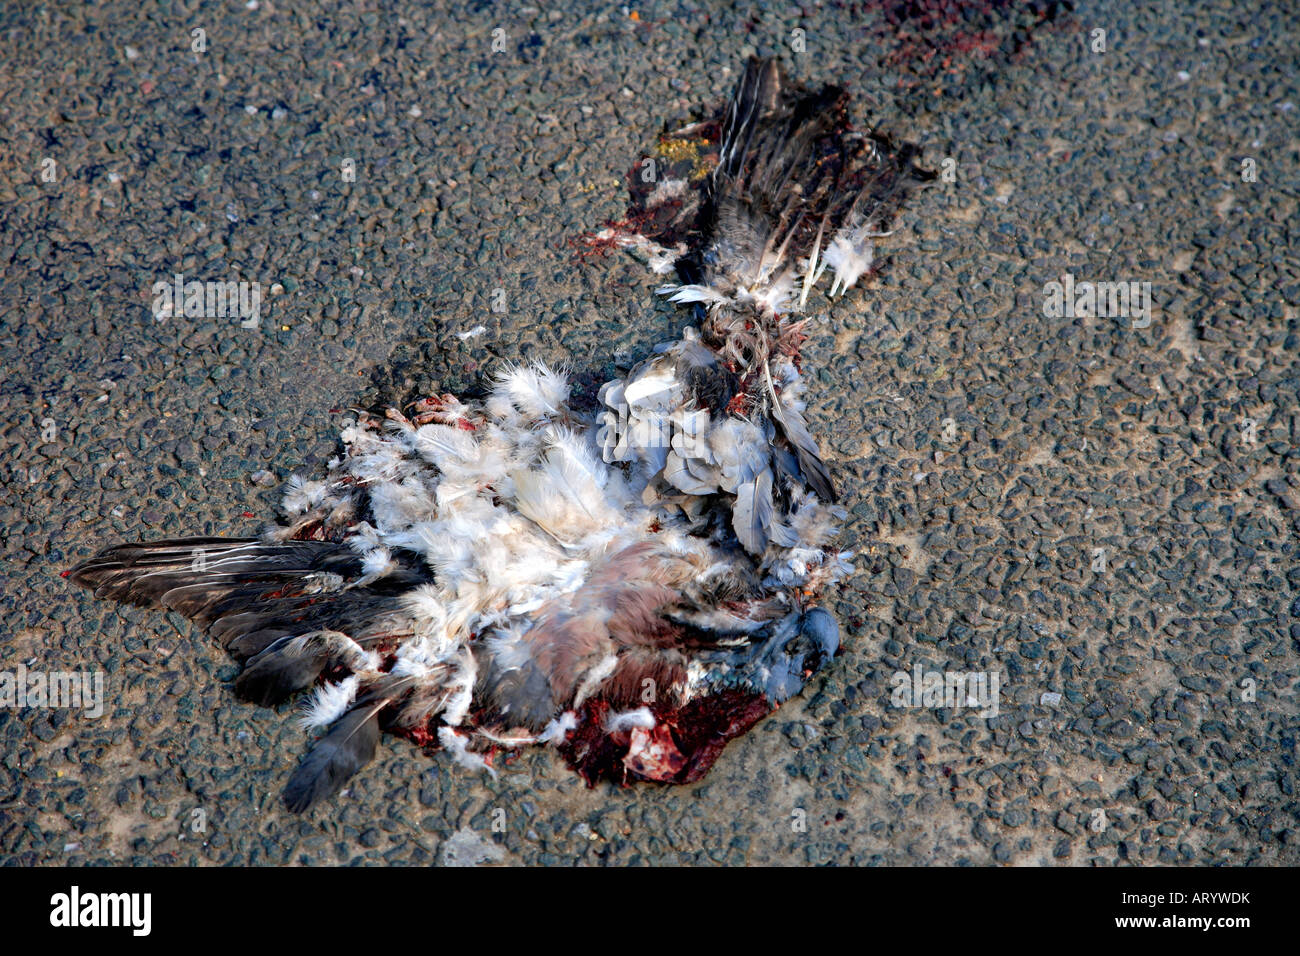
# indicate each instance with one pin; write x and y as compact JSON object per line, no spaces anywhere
{"x":704,"y":472}
{"x":795,"y":431}
{"x":677,"y":474}
{"x":740,"y":451}
{"x":348,"y":747}
{"x":249,"y":645}
{"x":285,"y":667}
{"x":521,"y":693}
{"x":751,"y":513}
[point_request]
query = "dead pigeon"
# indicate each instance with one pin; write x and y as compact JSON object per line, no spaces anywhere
{"x":634,"y":588}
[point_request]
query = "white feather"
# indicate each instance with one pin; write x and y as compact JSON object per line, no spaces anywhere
{"x":458,"y":747}
{"x":851,"y":253}
{"x":594,"y":678}
{"x":629,"y":719}
{"x":557,"y":729}
{"x":693,"y":293}
{"x":457,"y":706}
{"x":301,"y":495}
{"x":536,"y":390}
{"x":377,"y":563}
{"x":425,"y":605}
{"x":329,"y":703}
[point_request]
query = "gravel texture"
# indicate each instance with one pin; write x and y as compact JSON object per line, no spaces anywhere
{"x":1104,"y":515}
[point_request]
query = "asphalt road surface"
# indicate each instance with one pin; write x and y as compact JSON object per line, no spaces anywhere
{"x":1099,"y":510}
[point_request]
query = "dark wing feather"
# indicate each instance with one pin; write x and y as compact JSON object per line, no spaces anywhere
{"x":288,"y":665}
{"x":791,"y":167}
{"x":261,"y":600}
{"x":757,"y":95}
{"x":141,"y":574}
{"x":349,"y":611}
{"x":812,"y":469}
{"x":348,"y":747}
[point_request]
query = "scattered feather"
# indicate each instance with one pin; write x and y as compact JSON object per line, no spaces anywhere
{"x":458,"y":747}
{"x":328,"y":703}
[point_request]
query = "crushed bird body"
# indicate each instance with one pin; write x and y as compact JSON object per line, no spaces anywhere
{"x":634,"y":587}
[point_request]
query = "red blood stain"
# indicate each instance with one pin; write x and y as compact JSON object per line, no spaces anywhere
{"x":699,"y":731}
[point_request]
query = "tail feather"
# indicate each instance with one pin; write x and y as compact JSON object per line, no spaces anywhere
{"x":757,"y":95}
{"x":791,"y":183}
{"x":790,"y":172}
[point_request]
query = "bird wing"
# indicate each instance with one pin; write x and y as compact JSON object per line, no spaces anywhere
{"x":255,"y":597}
